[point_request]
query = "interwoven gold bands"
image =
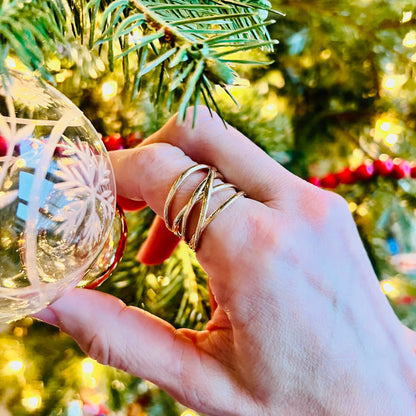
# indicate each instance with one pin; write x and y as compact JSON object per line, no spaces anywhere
{"x":202,"y":194}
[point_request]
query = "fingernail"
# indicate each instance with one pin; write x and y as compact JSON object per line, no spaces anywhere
{"x":48,"y":316}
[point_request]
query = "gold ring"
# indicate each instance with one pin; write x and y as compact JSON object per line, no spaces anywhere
{"x":202,"y":193}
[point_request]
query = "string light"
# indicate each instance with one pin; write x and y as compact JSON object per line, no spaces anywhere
{"x":10,"y":63}
{"x":31,"y":400}
{"x":325,"y":54}
{"x":109,"y":89}
{"x":409,"y":41}
{"x":189,"y":412}
{"x":271,"y":108}
{"x":387,"y":287}
{"x":15,"y":366}
{"x":391,"y":139}
{"x":352,"y":206}
{"x":388,"y":130}
{"x":362,"y":210}
{"x":407,"y":17}
{"x":391,"y":83}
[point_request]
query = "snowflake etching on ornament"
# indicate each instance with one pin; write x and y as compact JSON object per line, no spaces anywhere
{"x":75,"y":200}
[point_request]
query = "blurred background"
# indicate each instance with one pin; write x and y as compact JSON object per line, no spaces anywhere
{"x":337,"y":107}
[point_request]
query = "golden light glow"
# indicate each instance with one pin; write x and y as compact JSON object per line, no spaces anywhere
{"x":325,"y":54}
{"x":385,"y":126}
{"x":189,"y":412}
{"x":390,"y":83}
{"x":91,"y":382}
{"x":391,"y":139}
{"x":407,"y":17}
{"x":15,"y":366}
{"x":388,"y":130}
{"x":387,"y":287}
{"x":270,"y":111}
{"x":8,"y":283}
{"x":362,"y":210}
{"x":10,"y":63}
{"x":409,"y":41}
{"x":352,"y":206}
{"x":87,"y":366}
{"x":31,"y":400}
{"x":109,"y":89}
{"x":60,"y":77}
{"x":276,"y":79}
{"x":54,"y":64}
{"x":21,"y":163}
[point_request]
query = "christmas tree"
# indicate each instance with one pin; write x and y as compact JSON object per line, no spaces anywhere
{"x":333,"y":102}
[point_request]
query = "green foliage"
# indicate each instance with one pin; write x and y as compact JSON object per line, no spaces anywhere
{"x":316,"y":109}
{"x":187,"y":46}
{"x":33,"y":30}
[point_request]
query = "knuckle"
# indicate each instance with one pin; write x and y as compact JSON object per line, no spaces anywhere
{"x":318,"y":205}
{"x":261,"y":230}
{"x":98,"y":348}
{"x":155,"y":153}
{"x":336,"y":206}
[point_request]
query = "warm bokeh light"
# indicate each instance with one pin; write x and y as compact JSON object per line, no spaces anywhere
{"x":15,"y":366}
{"x":109,"y":89}
{"x":392,"y":83}
{"x":87,"y":366}
{"x":362,"y":210}
{"x":10,"y":63}
{"x":387,"y":129}
{"x":387,"y":287}
{"x":407,"y":16}
{"x":409,"y":41}
{"x":31,"y":400}
{"x":391,"y":139}
{"x":352,"y":206}
{"x":189,"y":412}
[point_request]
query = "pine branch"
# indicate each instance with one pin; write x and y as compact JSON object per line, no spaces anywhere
{"x":33,"y":31}
{"x":190,"y":44}
{"x":189,"y":40}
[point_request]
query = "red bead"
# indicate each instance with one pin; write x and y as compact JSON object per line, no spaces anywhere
{"x":314,"y":181}
{"x":330,"y":181}
{"x":3,"y":146}
{"x":405,"y":300}
{"x":346,"y":176}
{"x":133,"y":139}
{"x":401,"y":170}
{"x":364,"y":172}
{"x":113,"y":142}
{"x":383,"y":167}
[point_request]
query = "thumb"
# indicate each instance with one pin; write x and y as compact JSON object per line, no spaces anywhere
{"x":118,"y":335}
{"x":139,"y":343}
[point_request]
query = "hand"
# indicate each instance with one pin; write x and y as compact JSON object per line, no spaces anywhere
{"x":301,"y":326}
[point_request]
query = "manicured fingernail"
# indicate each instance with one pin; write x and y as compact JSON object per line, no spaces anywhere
{"x":48,"y":316}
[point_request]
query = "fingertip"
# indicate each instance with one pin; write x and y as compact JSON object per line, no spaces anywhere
{"x":47,"y":316}
{"x":159,"y":245}
{"x":130,"y":205}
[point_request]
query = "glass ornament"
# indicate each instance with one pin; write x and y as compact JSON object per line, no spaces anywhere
{"x":59,"y":224}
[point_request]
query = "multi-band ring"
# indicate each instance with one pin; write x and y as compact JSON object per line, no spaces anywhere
{"x":201,"y":195}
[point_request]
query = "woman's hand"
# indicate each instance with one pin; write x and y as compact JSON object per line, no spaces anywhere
{"x":301,"y":326}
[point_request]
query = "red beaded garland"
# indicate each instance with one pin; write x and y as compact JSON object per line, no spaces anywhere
{"x":3,"y":146}
{"x":114,"y":142}
{"x":385,"y":166}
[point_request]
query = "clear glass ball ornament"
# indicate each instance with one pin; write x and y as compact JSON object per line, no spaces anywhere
{"x":58,"y":221}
